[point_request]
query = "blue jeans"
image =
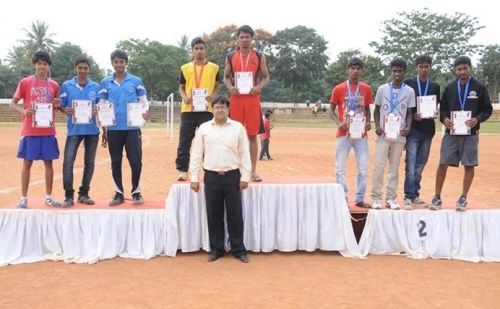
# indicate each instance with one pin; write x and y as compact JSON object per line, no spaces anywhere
{"x":70,"y":150}
{"x":418,"y":146}
{"x":362,"y":153}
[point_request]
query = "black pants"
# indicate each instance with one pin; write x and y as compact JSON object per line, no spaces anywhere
{"x":223,"y":190}
{"x":189,"y":122}
{"x":131,"y":139}
{"x":264,"y":149}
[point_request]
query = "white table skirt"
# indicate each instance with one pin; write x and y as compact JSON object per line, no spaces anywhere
{"x":284,"y":217}
{"x":472,"y":236}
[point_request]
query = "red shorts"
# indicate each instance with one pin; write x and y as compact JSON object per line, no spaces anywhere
{"x":246,"y":109}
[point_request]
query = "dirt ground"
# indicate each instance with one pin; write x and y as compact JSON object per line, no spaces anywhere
{"x":320,"y":279}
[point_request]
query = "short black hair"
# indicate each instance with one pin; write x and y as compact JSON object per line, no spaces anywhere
{"x":267,"y":114}
{"x":198,"y":40}
{"x":120,"y":54}
{"x":425,"y":58}
{"x":41,"y":55}
{"x":82,"y":59}
{"x":245,"y":29}
{"x":398,"y":63}
{"x":220,"y":99}
{"x":355,"y":61}
{"x":462,"y":60}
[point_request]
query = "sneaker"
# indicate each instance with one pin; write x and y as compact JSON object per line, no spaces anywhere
{"x":377,"y":204}
{"x":68,"y":202}
{"x":51,"y":202}
{"x":117,"y":200}
{"x":22,"y":204}
{"x":183,"y":176}
{"x":408,"y":204}
{"x":85,"y":199}
{"x":461,"y":204}
{"x":436,"y":203}
{"x":138,"y":200}
{"x":391,"y":204}
{"x":419,"y":202}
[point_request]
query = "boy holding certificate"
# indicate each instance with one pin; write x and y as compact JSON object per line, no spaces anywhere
{"x":127,"y":94}
{"x":393,"y":118}
{"x":40,"y":96}
{"x":465,"y":104}
{"x":198,"y":85}
{"x":350,"y":110}
{"x":423,"y":128}
{"x":78,"y":102}
{"x":245,"y":75}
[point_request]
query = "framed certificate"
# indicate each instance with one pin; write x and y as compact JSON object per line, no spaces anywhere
{"x":82,"y":111}
{"x":199,"y":97}
{"x":106,"y":114}
{"x":44,"y":115}
{"x":392,"y":126}
{"x":427,"y":106}
{"x":244,"y":82}
{"x":357,"y":126}
{"x":134,"y":115}
{"x":458,"y":119}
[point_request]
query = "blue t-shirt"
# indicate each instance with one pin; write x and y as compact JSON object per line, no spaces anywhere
{"x":70,"y":91}
{"x":120,"y":95}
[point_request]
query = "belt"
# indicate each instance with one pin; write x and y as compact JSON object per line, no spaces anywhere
{"x":221,"y":173}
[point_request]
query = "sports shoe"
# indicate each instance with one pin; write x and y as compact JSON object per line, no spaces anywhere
{"x":408,"y":204}
{"x":117,"y":200}
{"x":377,"y":204}
{"x":391,"y":204}
{"x":419,"y":202}
{"x":22,"y":204}
{"x":51,"y":202}
{"x":461,"y":204}
{"x":138,"y":200}
{"x":85,"y":199}
{"x":183,"y":176}
{"x":436,"y":203}
{"x":68,"y":202}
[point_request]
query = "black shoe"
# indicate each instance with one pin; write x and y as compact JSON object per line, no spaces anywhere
{"x":362,"y":204}
{"x":68,"y":202}
{"x":117,"y":200}
{"x":85,"y":199}
{"x":213,"y":256}
{"x":138,"y":200}
{"x":243,"y":258}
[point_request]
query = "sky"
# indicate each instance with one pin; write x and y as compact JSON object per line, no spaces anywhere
{"x":97,"y":26}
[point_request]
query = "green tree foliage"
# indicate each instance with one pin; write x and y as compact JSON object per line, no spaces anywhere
{"x":157,"y":64}
{"x":38,"y":37}
{"x":63,"y":60}
{"x":443,"y":36}
{"x":298,"y":58}
{"x":8,"y":81}
{"x":489,"y":70}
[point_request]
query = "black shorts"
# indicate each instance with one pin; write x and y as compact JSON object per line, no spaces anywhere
{"x":459,"y":148}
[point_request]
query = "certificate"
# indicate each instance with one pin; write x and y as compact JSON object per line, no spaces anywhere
{"x":199,"y":97}
{"x":82,"y":111}
{"x":357,"y":126}
{"x":106,"y":114}
{"x":134,"y":115}
{"x":244,"y":82}
{"x":426,"y":106}
{"x":392,"y":126}
{"x":44,"y":115}
{"x":458,"y":119}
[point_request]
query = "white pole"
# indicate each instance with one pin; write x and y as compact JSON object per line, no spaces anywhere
{"x":170,"y":117}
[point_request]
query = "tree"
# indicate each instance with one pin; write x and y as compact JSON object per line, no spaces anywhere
{"x":19,"y":60}
{"x":184,"y":43}
{"x":38,"y":37}
{"x":8,"y":81}
{"x":298,"y":58}
{"x":443,"y":36}
{"x":489,"y":70}
{"x":63,"y":63}
{"x":157,"y":64}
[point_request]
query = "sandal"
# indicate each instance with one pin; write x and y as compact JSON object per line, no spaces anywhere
{"x":255,"y":178}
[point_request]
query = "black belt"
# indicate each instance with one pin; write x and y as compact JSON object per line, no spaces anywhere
{"x":222,"y":173}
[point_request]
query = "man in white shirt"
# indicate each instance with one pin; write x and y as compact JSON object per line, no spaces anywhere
{"x":221,"y":147}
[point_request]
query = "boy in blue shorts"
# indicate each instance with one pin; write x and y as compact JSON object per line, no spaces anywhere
{"x":38,"y":142}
